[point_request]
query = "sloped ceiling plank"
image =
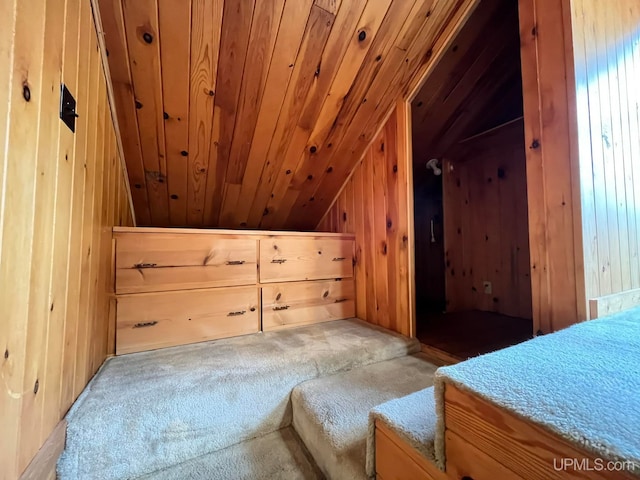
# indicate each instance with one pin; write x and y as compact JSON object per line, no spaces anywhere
{"x":354,"y":24}
{"x":454,"y":62}
{"x":276,"y":115}
{"x":175,"y":45}
{"x":116,"y":43}
{"x":206,"y":26}
{"x":491,"y":48}
{"x":236,"y":28}
{"x":407,"y":57}
{"x":382,"y":61}
{"x":141,"y":23}
{"x":292,"y":28}
{"x":356,"y":74}
{"x":313,"y":42}
{"x":264,"y":30}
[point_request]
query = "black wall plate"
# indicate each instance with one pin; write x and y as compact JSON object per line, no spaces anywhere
{"x":68,"y":108}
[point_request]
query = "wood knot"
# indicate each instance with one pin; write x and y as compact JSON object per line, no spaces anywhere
{"x":362,"y":35}
{"x":147,"y":37}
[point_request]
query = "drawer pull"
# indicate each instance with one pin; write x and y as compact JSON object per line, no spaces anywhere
{"x":145,"y":265}
{"x":279,"y":260}
{"x":235,"y":314}
{"x":338,"y":259}
{"x":145,"y":324}
{"x":235,"y":262}
{"x":282,"y":307}
{"x":340,"y":300}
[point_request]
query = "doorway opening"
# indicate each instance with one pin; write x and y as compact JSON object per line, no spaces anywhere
{"x":472,"y":269}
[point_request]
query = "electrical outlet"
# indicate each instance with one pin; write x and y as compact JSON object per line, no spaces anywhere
{"x":487,"y":287}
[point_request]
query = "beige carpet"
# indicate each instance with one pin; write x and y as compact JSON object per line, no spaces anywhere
{"x":147,"y":411}
{"x":278,"y":455}
{"x":331,"y":414}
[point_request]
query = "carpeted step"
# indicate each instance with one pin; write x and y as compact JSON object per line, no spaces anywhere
{"x":146,"y":411}
{"x":277,"y":455}
{"x":331,"y":414}
{"x":412,"y":417}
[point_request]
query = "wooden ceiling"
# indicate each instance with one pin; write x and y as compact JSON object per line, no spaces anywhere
{"x":253,"y":113}
{"x":476,"y":86}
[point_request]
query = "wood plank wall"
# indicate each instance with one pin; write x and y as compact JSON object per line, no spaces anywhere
{"x":60,"y":194}
{"x":486,"y":224}
{"x":606,"y":45}
{"x":553,"y":183}
{"x":375,"y":206}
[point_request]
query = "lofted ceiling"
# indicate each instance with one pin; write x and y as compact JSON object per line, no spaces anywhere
{"x":476,"y":86}
{"x":253,"y":113}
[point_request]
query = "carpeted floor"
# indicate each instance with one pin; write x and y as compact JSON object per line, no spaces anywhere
{"x":278,"y":455}
{"x":147,"y":411}
{"x":331,"y":414}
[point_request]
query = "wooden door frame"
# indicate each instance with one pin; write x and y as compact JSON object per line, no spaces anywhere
{"x":404,"y":129}
{"x":553,"y":188}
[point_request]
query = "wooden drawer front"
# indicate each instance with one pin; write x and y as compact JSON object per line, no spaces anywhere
{"x":291,"y":304}
{"x":291,"y":259}
{"x":154,"y":320}
{"x":161,"y":262}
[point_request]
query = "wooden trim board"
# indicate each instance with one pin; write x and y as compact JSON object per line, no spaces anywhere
{"x":398,"y":460}
{"x":614,"y":303}
{"x":43,"y":465}
{"x":236,"y":233}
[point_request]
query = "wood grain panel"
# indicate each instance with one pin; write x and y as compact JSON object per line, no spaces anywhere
{"x":143,"y":41}
{"x":485,"y":224}
{"x":155,"y":320}
{"x":206,"y":25}
{"x":234,"y":39}
{"x":614,"y":303}
{"x":376,"y":208}
{"x":280,"y":94}
{"x":607,"y":71}
{"x":555,"y":236}
{"x":174,"y":26}
{"x":303,"y":303}
{"x":116,"y":44}
{"x":285,"y":259}
{"x":160,"y":262}
{"x":58,"y":192}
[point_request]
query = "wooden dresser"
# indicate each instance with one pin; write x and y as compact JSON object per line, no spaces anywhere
{"x":179,"y":286}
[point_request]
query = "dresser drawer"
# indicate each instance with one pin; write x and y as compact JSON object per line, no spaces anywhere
{"x":153,"y":320}
{"x":292,"y":259}
{"x":301,"y":303}
{"x":148,"y":262}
